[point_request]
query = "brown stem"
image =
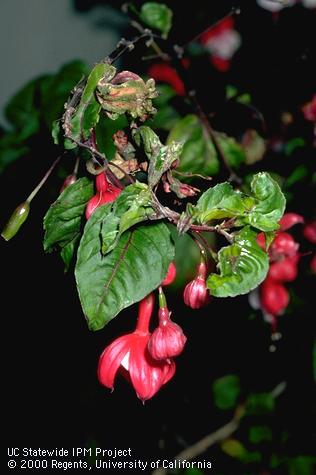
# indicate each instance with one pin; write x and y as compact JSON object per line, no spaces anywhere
{"x":76,"y":167}
{"x":199,"y":237}
{"x":95,"y":153}
{"x":210,"y":131}
{"x":202,"y":445}
{"x":173,"y":216}
{"x":159,"y":53}
{"x":124,"y":46}
{"x":43,"y":180}
{"x":234,"y":11}
{"x":191,"y":95}
{"x":192,"y":175}
{"x":220,"y":434}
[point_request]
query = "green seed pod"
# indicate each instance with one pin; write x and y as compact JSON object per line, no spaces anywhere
{"x":16,"y":220}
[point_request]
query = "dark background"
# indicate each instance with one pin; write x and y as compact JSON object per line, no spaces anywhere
{"x":52,"y":396}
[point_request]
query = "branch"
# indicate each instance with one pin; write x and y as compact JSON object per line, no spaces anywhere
{"x":220,"y":434}
{"x":210,"y":131}
{"x":95,"y":153}
{"x":202,"y":445}
{"x":174,"y":217}
{"x":191,"y":94}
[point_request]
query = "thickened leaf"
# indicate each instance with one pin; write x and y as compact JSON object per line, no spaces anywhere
{"x":135,"y":267}
{"x":222,"y":201}
{"x":270,"y":205}
{"x":157,"y":15}
{"x":63,"y":220}
{"x":87,"y":112}
{"x":160,"y":156}
{"x":243,"y":266}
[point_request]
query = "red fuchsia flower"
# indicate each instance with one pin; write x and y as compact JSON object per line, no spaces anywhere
{"x":106,"y":193}
{"x":286,"y":222}
{"x":284,"y":270}
{"x":283,"y":245}
{"x":261,"y":241}
{"x":274,"y":297}
{"x":171,"y":275}
{"x":129,"y":355}
{"x":222,"y":41}
{"x":309,"y":232}
{"x":290,"y":219}
{"x":195,"y":294}
{"x":309,"y":110}
{"x":162,"y":72}
{"x":168,"y":339}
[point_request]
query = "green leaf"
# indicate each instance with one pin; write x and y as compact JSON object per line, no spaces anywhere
{"x":301,"y":465}
{"x":10,"y":149}
{"x":198,"y":153}
{"x":270,"y":206}
{"x":298,"y":174}
{"x":233,"y":448}
{"x":160,"y":156}
{"x":187,"y":256}
{"x":135,"y":267}
{"x":243,"y":266}
{"x":293,"y":144}
{"x":87,"y":113}
{"x":63,"y":220}
{"x":193,"y":471}
{"x":232,"y":150}
{"x":22,"y":113}
{"x":166,"y":116}
{"x":56,"y":88}
{"x":258,"y":434}
{"x":105,"y":129}
{"x":222,"y":201}
{"x":226,"y":391}
{"x":260,"y":404}
{"x":157,"y":15}
{"x":254,"y":146}
{"x":131,"y":207}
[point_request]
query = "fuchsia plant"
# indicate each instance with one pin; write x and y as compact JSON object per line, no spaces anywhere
{"x":117,"y":221}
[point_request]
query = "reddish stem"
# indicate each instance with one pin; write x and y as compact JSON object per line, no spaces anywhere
{"x":145,"y":310}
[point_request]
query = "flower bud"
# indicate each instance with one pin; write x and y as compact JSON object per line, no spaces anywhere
{"x":16,"y":220}
{"x":69,"y":180}
{"x":195,"y":294}
{"x":283,"y":245}
{"x":290,"y":219}
{"x":171,"y":275}
{"x":284,"y":270}
{"x":168,"y":339}
{"x":261,"y":241}
{"x":274,"y":297}
{"x":309,"y":232}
